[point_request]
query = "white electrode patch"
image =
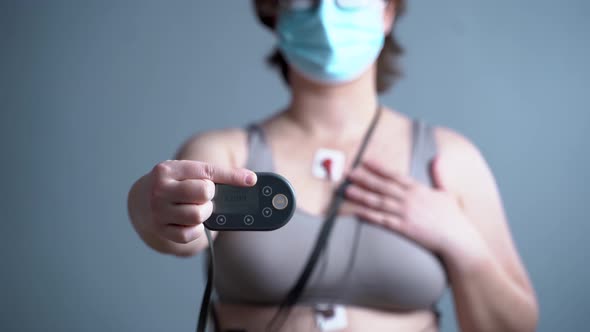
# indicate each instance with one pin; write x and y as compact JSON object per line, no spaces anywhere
{"x":328,"y":164}
{"x":331,"y":317}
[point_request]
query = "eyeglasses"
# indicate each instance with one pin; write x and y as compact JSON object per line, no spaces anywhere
{"x":309,"y":4}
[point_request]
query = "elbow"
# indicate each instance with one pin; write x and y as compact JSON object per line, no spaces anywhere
{"x":534,"y":316}
{"x":527,"y":318}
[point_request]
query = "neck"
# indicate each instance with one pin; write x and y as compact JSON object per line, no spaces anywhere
{"x":341,"y":111}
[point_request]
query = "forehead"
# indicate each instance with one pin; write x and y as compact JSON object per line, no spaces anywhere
{"x":268,"y":10}
{"x":344,"y":3}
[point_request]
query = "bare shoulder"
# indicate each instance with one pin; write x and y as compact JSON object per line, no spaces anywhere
{"x":222,"y":146}
{"x":462,"y":163}
{"x":454,"y":144}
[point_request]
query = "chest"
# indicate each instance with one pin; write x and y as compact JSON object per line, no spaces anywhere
{"x":297,"y":162}
{"x":363,"y":265}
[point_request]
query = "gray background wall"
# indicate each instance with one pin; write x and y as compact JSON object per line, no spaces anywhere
{"x":93,"y":93}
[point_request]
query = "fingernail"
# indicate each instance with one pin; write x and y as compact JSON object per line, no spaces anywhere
{"x":250,"y":179}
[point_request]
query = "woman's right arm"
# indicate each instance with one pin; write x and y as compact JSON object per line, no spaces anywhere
{"x":168,"y":205}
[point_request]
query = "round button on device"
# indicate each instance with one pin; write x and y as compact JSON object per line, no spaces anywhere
{"x":280,"y":201}
{"x":248,"y":220}
{"x":267,"y":191}
{"x":221,"y":219}
{"x":267,"y":212}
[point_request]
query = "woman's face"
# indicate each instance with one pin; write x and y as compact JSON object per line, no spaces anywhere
{"x":332,"y":41}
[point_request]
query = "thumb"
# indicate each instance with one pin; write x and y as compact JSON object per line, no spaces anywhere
{"x":436,"y":174}
{"x":440,"y":183}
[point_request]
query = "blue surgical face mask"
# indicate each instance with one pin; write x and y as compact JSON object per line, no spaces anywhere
{"x":331,"y":44}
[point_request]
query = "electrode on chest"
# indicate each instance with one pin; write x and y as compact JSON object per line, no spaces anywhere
{"x":328,"y":164}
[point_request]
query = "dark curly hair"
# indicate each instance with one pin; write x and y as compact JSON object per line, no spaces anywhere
{"x":388,"y":68}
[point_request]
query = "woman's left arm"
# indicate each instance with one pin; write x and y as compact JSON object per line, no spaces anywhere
{"x":490,"y":285}
{"x":462,"y":219}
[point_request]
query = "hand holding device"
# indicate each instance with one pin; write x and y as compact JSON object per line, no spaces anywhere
{"x":181,"y":193}
{"x":266,"y":206}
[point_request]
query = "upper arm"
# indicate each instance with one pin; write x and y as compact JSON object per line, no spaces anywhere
{"x":467,"y":175}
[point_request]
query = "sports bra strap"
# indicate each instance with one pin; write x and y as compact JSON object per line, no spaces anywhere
{"x":259,"y":154}
{"x":424,"y":150}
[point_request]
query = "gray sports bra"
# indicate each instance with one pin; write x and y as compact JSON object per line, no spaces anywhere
{"x":363,"y":265}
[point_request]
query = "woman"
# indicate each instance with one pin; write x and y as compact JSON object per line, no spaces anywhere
{"x":421,"y":210}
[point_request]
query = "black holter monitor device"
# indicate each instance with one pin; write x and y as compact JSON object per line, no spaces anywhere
{"x":266,"y":206}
